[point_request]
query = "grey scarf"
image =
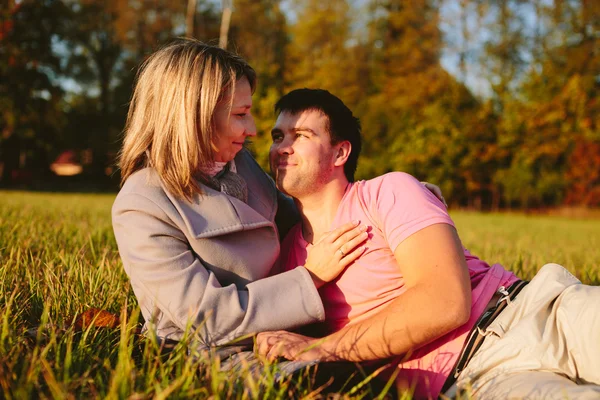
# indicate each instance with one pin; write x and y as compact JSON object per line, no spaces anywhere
{"x":229,"y":183}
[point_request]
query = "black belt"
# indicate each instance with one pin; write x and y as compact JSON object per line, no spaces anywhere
{"x":476,"y":336}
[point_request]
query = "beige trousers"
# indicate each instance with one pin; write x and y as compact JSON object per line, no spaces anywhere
{"x":544,"y":345}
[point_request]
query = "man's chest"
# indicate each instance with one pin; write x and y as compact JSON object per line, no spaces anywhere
{"x":371,"y":281}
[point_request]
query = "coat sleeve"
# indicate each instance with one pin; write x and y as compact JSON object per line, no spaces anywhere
{"x":171,"y":282}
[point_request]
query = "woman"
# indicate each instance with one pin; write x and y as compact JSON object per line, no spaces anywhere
{"x":195,"y":218}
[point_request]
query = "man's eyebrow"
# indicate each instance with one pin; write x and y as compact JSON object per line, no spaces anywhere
{"x":299,"y":129}
{"x":303,"y":129}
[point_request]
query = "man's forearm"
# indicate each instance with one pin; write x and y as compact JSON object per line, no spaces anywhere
{"x":409,"y":322}
{"x":436,"y":301}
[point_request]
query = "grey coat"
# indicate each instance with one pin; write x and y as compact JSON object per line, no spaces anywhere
{"x":204,"y":265}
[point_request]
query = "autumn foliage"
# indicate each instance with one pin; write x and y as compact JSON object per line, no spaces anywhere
{"x":495,"y":101}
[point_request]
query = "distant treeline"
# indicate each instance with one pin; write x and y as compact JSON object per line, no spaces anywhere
{"x":523,"y":133}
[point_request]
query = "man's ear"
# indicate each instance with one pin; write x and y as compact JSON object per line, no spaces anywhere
{"x":343,"y":153}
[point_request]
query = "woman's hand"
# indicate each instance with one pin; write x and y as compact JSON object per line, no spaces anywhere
{"x":435,"y":189}
{"x":335,"y":251}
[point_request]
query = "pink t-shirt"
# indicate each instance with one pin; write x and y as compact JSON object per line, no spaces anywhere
{"x":394,"y":206}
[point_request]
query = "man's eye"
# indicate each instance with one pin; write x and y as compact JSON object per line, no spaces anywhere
{"x":276,"y":138}
{"x":300,"y":135}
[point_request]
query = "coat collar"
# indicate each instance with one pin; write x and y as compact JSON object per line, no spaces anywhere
{"x":213,"y":213}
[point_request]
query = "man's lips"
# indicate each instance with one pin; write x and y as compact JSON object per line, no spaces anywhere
{"x":283,"y":164}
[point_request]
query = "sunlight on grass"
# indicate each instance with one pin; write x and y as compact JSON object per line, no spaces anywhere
{"x":525,"y":243}
{"x":58,"y":258}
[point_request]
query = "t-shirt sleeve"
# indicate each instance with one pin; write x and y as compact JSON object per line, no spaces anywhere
{"x":403,"y":206}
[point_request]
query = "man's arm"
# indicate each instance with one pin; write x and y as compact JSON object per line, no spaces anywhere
{"x":437,"y":300}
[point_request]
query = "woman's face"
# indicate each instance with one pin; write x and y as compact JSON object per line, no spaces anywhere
{"x":233,"y":121}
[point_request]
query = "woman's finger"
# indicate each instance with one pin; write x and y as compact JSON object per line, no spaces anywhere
{"x":343,"y":241}
{"x":352,"y":244}
{"x":352,"y":256}
{"x":336,"y":233}
{"x":435,"y":189}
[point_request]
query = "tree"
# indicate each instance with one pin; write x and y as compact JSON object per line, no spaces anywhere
{"x":93,"y":51}
{"x":30,"y":98}
{"x":322,"y":50}
{"x":559,"y":106}
{"x":415,"y":120}
{"x":105,"y":41}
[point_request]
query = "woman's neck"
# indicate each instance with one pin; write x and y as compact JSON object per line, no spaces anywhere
{"x":214,"y":169}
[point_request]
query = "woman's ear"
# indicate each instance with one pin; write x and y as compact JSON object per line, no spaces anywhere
{"x":343,"y":153}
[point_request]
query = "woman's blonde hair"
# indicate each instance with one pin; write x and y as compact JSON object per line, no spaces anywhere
{"x":170,"y":120}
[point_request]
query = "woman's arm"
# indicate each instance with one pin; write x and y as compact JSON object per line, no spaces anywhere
{"x":175,"y":289}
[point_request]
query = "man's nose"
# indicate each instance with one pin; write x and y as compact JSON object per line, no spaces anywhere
{"x":285,"y":147}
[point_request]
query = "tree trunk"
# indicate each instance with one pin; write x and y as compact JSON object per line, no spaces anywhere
{"x":190,"y":17}
{"x":10,"y":151}
{"x":495,"y":199}
{"x":225,"y":20}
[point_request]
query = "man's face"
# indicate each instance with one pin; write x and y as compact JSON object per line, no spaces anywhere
{"x":302,"y":157}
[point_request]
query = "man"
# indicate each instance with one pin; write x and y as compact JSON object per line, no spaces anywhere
{"x":416,"y":297}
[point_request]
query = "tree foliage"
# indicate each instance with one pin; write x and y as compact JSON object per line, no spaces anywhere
{"x":30,"y":98}
{"x":513,"y":125}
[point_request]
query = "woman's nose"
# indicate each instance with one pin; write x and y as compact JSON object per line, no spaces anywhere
{"x":251,"y":127}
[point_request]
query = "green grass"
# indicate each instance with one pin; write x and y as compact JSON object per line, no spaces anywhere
{"x":58,"y":258}
{"x":524,"y":243}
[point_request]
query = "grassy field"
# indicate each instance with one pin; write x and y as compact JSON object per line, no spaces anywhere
{"x":58,"y":258}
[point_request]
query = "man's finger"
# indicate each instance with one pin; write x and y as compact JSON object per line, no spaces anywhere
{"x":260,"y":344}
{"x":276,"y":351}
{"x":264,"y":342}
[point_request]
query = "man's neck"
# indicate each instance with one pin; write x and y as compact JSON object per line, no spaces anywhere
{"x":318,"y":210}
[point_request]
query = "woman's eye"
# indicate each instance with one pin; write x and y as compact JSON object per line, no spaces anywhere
{"x":241,"y":115}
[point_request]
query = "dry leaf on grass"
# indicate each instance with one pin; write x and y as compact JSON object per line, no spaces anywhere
{"x":96,"y":318}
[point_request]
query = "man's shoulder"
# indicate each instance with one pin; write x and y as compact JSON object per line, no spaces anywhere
{"x":391,"y":180}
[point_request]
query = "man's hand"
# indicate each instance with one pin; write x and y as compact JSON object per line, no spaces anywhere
{"x":291,"y":346}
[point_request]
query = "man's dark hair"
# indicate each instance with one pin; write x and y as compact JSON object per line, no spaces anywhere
{"x":341,"y":124}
